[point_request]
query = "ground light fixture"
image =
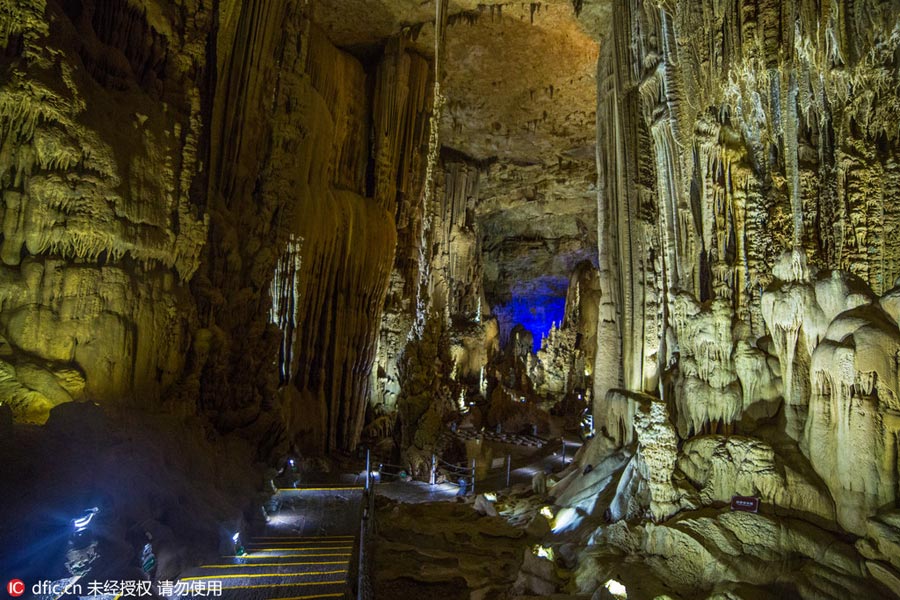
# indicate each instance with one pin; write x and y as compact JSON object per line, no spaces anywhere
{"x":565,"y":519}
{"x":238,"y":547}
{"x":616,"y":589}
{"x":588,"y":424}
{"x":81,"y":523}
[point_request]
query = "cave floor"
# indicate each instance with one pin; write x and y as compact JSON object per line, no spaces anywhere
{"x":526,"y":463}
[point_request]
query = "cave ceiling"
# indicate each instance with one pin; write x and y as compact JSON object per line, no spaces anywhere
{"x":520,"y":87}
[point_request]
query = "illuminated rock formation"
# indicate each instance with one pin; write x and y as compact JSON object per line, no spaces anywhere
{"x":101,"y":230}
{"x":404,"y":302}
{"x":300,"y":221}
{"x":725,"y":466}
{"x":428,"y":394}
{"x":187,"y":213}
{"x":734,"y":152}
{"x":293,"y":215}
{"x":747,"y":159}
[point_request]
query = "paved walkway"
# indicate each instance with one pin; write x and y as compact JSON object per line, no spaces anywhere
{"x":524,"y":468}
{"x":303,"y":552}
{"x":525,"y":465}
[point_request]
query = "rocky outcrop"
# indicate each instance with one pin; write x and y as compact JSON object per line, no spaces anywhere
{"x":759,"y":121}
{"x":194,"y":208}
{"x":100,"y":153}
{"x":449,"y":544}
{"x":747,"y":163}
{"x":657,"y":452}
{"x":428,"y":394}
{"x":706,"y":553}
{"x":854,"y":406}
{"x":725,"y":466}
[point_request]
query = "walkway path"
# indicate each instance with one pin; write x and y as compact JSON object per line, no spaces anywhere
{"x":525,"y":465}
{"x":303,"y":552}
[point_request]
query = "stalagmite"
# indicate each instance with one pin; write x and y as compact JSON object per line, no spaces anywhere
{"x":747,"y":164}
{"x":657,"y":452}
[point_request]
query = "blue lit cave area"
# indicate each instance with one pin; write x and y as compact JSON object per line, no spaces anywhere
{"x":536,"y":310}
{"x":449,"y":299}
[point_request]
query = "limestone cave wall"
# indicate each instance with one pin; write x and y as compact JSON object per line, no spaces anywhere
{"x":748,"y":203}
{"x":100,"y":150}
{"x":201,"y":204}
{"x":405,"y":113}
{"x":316,"y":226}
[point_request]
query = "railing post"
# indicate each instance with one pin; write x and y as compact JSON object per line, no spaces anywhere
{"x":433,"y":479}
{"x":473,"y":476}
{"x":367,"y":508}
{"x":361,"y":568}
{"x":563,"y":440}
{"x":508,"y":468}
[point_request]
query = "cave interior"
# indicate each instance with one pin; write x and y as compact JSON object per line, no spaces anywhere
{"x":572,"y":299}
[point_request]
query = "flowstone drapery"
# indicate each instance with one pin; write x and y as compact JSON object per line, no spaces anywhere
{"x":748,"y":194}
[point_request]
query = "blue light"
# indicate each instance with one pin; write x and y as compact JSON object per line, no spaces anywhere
{"x":536,"y":313}
{"x":81,"y":523}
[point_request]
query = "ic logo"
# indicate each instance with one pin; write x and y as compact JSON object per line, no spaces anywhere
{"x":15,"y":587}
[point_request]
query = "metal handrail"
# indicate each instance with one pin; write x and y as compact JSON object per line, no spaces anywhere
{"x":384,"y":464}
{"x":366,"y":529}
{"x":453,"y":465}
{"x":456,"y":470}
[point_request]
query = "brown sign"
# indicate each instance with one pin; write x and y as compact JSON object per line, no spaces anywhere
{"x":745,"y":503}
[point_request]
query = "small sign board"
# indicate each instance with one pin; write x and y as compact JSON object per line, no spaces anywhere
{"x":745,"y":503}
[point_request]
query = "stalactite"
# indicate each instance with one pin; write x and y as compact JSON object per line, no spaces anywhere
{"x":747,"y":158}
{"x":439,"y":100}
{"x":401,"y":110}
{"x":728,"y":85}
{"x":100,"y":223}
{"x":285,"y":291}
